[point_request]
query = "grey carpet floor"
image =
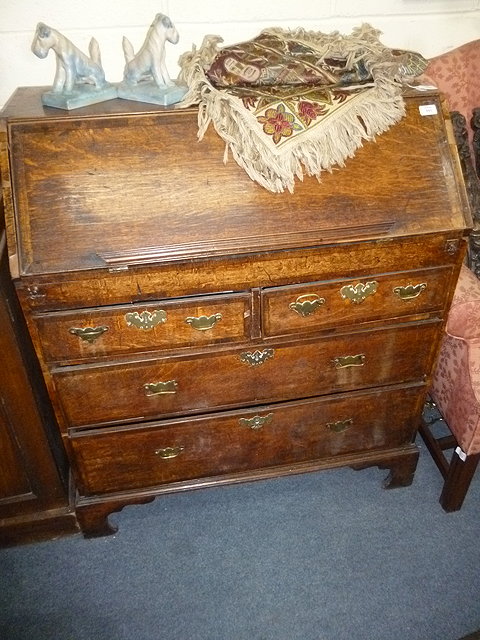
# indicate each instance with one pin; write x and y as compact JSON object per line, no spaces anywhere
{"x":320,"y":556}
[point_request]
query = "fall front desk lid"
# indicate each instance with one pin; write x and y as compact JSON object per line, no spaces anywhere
{"x":113,"y":185}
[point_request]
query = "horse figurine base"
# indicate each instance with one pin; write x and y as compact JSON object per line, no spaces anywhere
{"x":80,"y":96}
{"x":150,"y":92}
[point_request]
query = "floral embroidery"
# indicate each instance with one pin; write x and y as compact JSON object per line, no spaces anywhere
{"x":309,"y":111}
{"x":277,"y":123}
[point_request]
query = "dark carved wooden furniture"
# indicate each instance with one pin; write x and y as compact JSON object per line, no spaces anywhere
{"x":195,"y":329}
{"x":471,"y":171}
{"x":34,"y":501}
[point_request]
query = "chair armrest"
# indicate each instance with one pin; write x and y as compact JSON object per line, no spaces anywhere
{"x":464,"y":315}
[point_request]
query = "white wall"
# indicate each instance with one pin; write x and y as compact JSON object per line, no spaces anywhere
{"x":428,"y":26}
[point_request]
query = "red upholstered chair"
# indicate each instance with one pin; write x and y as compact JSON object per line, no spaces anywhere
{"x":456,"y":74}
{"x":455,"y":388}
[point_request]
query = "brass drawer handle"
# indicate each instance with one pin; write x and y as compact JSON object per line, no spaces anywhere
{"x":340,"y":425}
{"x":349,"y":361}
{"x":256,"y":358}
{"x":410,"y":291}
{"x":88,"y":334}
{"x":359,"y":292}
{"x":307,"y":304}
{"x":157,"y":388}
{"x":169,"y":452}
{"x":203,"y":323}
{"x":146,"y":320}
{"x":257,"y":422}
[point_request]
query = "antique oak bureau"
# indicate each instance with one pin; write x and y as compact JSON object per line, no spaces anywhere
{"x":194,"y":329}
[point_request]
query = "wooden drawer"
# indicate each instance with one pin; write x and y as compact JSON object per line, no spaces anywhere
{"x":164,"y":280}
{"x":321,"y":305}
{"x":78,"y":335}
{"x":156,"y":453}
{"x":95,"y":394}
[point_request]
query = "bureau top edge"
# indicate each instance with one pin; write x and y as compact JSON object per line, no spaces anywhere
{"x":25,"y":104}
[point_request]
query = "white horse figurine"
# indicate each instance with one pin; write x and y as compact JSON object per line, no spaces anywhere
{"x":149,"y":62}
{"x":73,"y":66}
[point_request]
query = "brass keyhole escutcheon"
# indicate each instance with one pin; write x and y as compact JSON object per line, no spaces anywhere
{"x":256,"y":358}
{"x":359,"y":292}
{"x":257,"y":422}
{"x":146,"y":320}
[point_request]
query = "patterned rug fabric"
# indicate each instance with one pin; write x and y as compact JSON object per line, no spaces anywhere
{"x":293,"y":102}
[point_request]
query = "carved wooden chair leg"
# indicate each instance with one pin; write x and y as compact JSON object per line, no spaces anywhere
{"x":436,"y":446}
{"x":457,"y":472}
{"x":458,"y":480}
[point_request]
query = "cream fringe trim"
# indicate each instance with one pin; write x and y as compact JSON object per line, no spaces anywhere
{"x":328,"y":145}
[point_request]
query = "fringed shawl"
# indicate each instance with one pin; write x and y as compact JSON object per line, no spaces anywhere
{"x":294,"y":102}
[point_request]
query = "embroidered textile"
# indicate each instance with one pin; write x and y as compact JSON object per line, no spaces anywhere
{"x":293,"y":102}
